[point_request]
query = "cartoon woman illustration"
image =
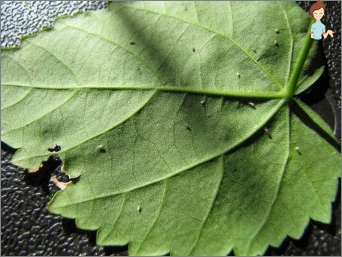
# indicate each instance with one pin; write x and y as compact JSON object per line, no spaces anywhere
{"x":317,"y":11}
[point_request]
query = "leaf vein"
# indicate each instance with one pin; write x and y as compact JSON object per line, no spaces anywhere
{"x":210,"y":209}
{"x":244,"y":51}
{"x":209,"y":158}
{"x":121,"y":47}
{"x":157,"y":216}
{"x":291,"y":37}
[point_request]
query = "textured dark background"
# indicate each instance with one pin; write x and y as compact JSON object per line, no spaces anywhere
{"x":27,"y":228}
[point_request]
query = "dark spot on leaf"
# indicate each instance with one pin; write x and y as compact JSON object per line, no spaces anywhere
{"x":132,"y":43}
{"x":75,"y":179}
{"x":193,"y":50}
{"x":62,"y":177}
{"x":42,"y":176}
{"x":55,"y":148}
{"x":187,"y":127}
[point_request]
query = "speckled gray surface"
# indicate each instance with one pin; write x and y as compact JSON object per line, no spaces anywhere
{"x":27,"y":228}
{"x":20,"y":18}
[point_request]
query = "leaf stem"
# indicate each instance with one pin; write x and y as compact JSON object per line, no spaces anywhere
{"x":292,"y":84}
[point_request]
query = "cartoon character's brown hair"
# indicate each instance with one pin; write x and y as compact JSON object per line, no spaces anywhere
{"x":316,"y":6}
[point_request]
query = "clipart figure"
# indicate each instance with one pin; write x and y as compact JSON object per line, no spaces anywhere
{"x":317,"y":11}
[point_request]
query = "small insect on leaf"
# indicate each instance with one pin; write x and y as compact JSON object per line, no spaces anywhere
{"x":55,"y":148}
{"x":238,"y":74}
{"x":139,"y":208}
{"x":187,"y":127}
{"x":193,"y":50}
{"x":276,"y":43}
{"x":297,"y":150}
{"x":276,"y":31}
{"x":101,"y":148}
{"x":204,"y":101}
{"x":132,"y":43}
{"x":267,"y":132}
{"x":251,"y":104}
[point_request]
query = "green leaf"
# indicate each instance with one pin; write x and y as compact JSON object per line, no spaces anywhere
{"x":181,"y":119}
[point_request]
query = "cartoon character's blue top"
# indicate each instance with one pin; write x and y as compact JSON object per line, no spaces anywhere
{"x":318,"y":28}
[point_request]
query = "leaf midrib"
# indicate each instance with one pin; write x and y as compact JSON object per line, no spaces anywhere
{"x":279,"y":94}
{"x":262,"y":95}
{"x":284,"y":93}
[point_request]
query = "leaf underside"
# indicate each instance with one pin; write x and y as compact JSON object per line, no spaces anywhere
{"x":177,"y":116}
